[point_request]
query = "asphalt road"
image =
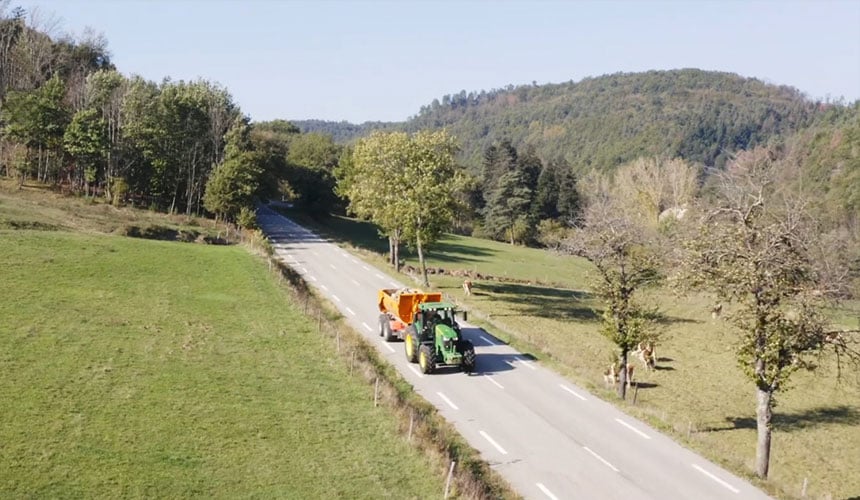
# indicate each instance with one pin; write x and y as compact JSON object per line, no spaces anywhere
{"x":548,"y":437}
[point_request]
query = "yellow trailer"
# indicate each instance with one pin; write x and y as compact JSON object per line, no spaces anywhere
{"x":398,"y":307}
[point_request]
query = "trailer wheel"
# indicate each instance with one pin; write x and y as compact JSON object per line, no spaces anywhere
{"x":469,"y":358}
{"x":383,"y":320}
{"x":411,"y":352}
{"x":386,"y":331}
{"x":426,"y":358}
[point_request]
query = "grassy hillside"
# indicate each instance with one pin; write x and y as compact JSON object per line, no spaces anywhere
{"x":137,"y":368}
{"x":699,"y":393}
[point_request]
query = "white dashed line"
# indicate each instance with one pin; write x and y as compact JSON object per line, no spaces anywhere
{"x":324,"y":287}
{"x":365,"y":268}
{"x":345,"y":254}
{"x":510,"y":363}
{"x":546,"y":491}
{"x":350,"y":311}
{"x":526,"y":362}
{"x":332,"y":266}
{"x":445,"y":399}
{"x":354,"y":261}
{"x":595,"y":455}
{"x":315,"y":253}
{"x":394,"y":284}
{"x":715,"y":478}
{"x":634,"y":429}
{"x":356,"y":283}
{"x":367,"y":327}
{"x":415,"y":371}
{"x":313,"y":278}
{"x":485,"y":339}
{"x":335,"y":297}
{"x":494,"y":443}
{"x":380,"y":276}
{"x":491,"y":379}
{"x":387,"y":346}
{"x":568,"y":389}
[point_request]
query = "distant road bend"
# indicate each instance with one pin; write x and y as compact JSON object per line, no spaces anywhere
{"x":548,"y":437}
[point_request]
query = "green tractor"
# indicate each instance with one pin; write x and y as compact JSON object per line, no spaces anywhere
{"x":434,"y":339}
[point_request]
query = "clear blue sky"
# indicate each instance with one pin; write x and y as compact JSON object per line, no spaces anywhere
{"x":357,"y":61}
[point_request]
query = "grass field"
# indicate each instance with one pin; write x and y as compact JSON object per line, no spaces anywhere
{"x":138,"y":368}
{"x":698,"y":392}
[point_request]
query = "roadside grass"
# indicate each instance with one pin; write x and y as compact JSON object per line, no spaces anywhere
{"x":137,"y":368}
{"x":37,"y":207}
{"x":698,"y":392}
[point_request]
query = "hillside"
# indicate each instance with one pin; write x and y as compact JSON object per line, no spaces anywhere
{"x":604,"y":121}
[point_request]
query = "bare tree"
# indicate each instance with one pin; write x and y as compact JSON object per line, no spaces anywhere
{"x":649,"y":186}
{"x":622,"y":252}
{"x":756,"y":249}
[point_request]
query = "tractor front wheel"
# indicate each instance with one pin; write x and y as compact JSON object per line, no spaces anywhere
{"x":411,"y":351}
{"x":426,"y":359}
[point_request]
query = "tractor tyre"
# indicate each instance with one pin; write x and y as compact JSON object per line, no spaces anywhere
{"x":410,"y":347}
{"x":469,"y":358}
{"x":427,"y":358}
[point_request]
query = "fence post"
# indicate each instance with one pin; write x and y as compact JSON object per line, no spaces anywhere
{"x":803,"y":489}
{"x":448,"y":481}
{"x":411,"y":424}
{"x":376,"y":393}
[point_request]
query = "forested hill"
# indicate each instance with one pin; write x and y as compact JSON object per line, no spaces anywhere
{"x":602,"y":122}
{"x":342,"y":132}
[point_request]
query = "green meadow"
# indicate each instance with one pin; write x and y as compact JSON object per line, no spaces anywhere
{"x":140,"y":368}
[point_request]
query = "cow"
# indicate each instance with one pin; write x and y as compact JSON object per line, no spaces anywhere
{"x":647,"y":354}
{"x":467,"y":287}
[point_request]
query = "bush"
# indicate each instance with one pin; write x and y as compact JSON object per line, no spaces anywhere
{"x":247,"y":218}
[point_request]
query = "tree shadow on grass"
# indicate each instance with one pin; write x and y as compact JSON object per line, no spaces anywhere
{"x":545,"y":302}
{"x":788,"y":422}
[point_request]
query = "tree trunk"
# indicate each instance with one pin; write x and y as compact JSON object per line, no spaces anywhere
{"x":764,"y":414}
{"x":622,"y":377}
{"x":421,"y":260}
{"x":391,"y":250}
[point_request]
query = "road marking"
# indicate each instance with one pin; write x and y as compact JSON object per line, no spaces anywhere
{"x":315,"y":253}
{"x":568,"y":389}
{"x":491,"y":379}
{"x":634,"y":429}
{"x":380,"y":276}
{"x":350,"y":311}
{"x":324,"y":287}
{"x":546,"y":491}
{"x":492,"y":442}
{"x":526,"y":362}
{"x":304,"y":269}
{"x":367,"y":327}
{"x":600,"y":458}
{"x":335,"y":297}
{"x":511,"y":364}
{"x":332,"y":266}
{"x":394,"y":284}
{"x":485,"y":339}
{"x":313,"y":278}
{"x":445,"y":398}
{"x":415,"y":371}
{"x":715,"y":478}
{"x":345,"y":254}
{"x":356,"y":283}
{"x":365,"y":268}
{"x":388,"y":346}
{"x":354,"y":261}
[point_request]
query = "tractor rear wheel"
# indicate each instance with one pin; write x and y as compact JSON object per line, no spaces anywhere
{"x":426,"y":358}
{"x":469,"y":358}
{"x":411,"y":351}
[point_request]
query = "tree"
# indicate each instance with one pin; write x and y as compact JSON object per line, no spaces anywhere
{"x":233,"y":183}
{"x":652,"y":185}
{"x":622,"y":253}
{"x":404,"y":184}
{"x":755,"y":249}
{"x":86,"y":141}
{"x":507,"y":206}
